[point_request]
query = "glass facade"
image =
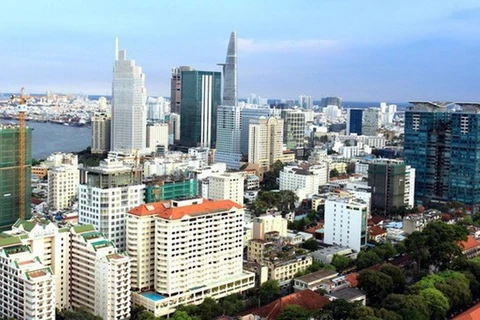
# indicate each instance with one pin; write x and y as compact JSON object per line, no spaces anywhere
{"x":201,"y":95}
{"x":355,"y":118}
{"x":171,"y":190}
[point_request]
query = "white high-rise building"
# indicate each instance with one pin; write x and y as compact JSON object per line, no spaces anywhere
{"x":157,"y":135}
{"x":228,"y":136}
{"x":182,"y":275}
{"x":265,"y":224}
{"x":105,"y":195}
{"x":332,"y":112}
{"x":129,"y":118}
{"x":27,"y":285}
{"x":101,"y":128}
{"x":304,"y":182}
{"x":387,"y":112}
{"x":372,"y":121}
{"x":223,"y":186}
{"x":62,"y":184}
{"x":346,"y":220}
{"x":265,"y":141}
{"x":247,"y":114}
{"x":99,"y":275}
{"x":305,"y":102}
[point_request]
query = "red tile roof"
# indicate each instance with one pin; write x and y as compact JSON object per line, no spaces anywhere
{"x":469,"y":244}
{"x":165,"y":210}
{"x":374,"y":231}
{"x":375,"y":220}
{"x":352,"y":278}
{"x":471,"y":314}
{"x":306,"y":299}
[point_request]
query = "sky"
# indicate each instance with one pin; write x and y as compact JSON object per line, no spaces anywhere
{"x":360,"y":50}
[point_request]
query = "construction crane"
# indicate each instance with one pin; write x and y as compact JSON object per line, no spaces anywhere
{"x":22,"y":100}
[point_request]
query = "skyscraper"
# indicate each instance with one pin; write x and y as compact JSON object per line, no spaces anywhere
{"x":354,"y":121}
{"x":305,"y":102}
{"x":101,"y":128}
{"x":10,"y":171}
{"x":230,"y":91}
{"x":129,"y":119}
{"x":371,"y":122}
{"x":331,"y":101}
{"x":228,"y":136}
{"x":247,"y":114}
{"x":265,"y":142}
{"x":176,"y":88}
{"x":201,"y":95}
{"x":294,"y":130}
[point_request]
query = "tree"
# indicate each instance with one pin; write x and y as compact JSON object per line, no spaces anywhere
{"x":181,"y":315}
{"x":385,"y":250}
{"x":341,"y":262}
{"x":436,"y":301}
{"x":269,"y":291}
{"x":209,"y":309}
{"x":367,"y":259}
{"x":408,"y":306}
{"x":311,"y":244}
{"x":340,"y":308}
{"x":351,"y":168}
{"x":398,"y":277}
{"x":334,"y":173}
{"x":457,"y":293}
{"x":79,"y":314}
{"x":362,"y":312}
{"x":388,"y":314}
{"x":146,"y":315}
{"x":232,"y":304}
{"x":376,"y":284}
{"x":294,"y":312}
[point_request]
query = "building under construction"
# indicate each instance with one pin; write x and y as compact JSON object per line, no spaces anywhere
{"x":11,"y":167}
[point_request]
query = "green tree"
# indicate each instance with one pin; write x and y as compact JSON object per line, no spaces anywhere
{"x":385,"y":250}
{"x":340,"y":308}
{"x":377,"y":285}
{"x":341,"y":262}
{"x":269,"y":291}
{"x":388,"y":314}
{"x":457,"y":293}
{"x":181,"y":315}
{"x":311,"y":244}
{"x":294,"y":312}
{"x":334,"y":173}
{"x":367,"y":259}
{"x":436,"y":301}
{"x":362,"y":312}
{"x":209,"y":309}
{"x":79,"y":314}
{"x":408,"y":306}
{"x":397,"y":275}
{"x":146,"y":315}
{"x":232,"y":304}
{"x":351,"y":168}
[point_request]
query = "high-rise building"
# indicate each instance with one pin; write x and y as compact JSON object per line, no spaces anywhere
{"x":265,"y":141}
{"x":10,"y":171}
{"x":63,"y":183}
{"x":169,"y":257}
{"x":105,"y":194}
{"x":247,"y":114}
{"x":230,"y":90}
{"x":224,"y":186}
{"x":372,"y":121}
{"x":354,"y":121}
{"x":387,"y":180}
{"x":174,"y":127}
{"x":157,"y":135}
{"x":228,"y":136}
{"x":305,"y":102}
{"x":176,"y":88}
{"x":294,"y":130}
{"x":346,"y":220}
{"x":201,"y":96}
{"x":443,"y":147}
{"x":304,"y":182}
{"x":331,"y":101}
{"x":101,"y":128}
{"x":129,"y":118}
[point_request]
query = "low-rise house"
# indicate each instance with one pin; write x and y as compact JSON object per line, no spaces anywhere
{"x":470,"y":247}
{"x":314,"y":280}
{"x":325,"y":254}
{"x":349,"y":294}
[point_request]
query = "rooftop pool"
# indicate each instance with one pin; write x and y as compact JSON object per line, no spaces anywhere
{"x":152,"y":296}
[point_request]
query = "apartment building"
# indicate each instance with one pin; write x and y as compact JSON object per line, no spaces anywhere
{"x":266,"y":224}
{"x":198,"y":252}
{"x":222,"y":186}
{"x":303,"y":181}
{"x":62,"y":186}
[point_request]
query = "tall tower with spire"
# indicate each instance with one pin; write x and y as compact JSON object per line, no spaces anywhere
{"x":230,"y":90}
{"x":128,"y":125}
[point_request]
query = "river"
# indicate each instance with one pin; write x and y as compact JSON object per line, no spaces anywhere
{"x":51,"y":137}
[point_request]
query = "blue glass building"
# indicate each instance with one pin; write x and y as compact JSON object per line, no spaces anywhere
{"x":354,"y":121}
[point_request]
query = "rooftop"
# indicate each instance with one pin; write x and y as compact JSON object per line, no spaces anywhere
{"x":469,"y":244}
{"x":470,"y":314}
{"x":316,"y":276}
{"x":347,"y":293}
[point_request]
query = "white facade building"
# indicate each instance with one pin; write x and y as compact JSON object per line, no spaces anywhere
{"x":129,"y":118}
{"x":157,"y":134}
{"x":227,"y":186}
{"x":181,"y":274}
{"x":346,"y":220}
{"x":105,"y":195}
{"x":265,"y":224}
{"x":246,"y":114}
{"x":372,"y":121}
{"x":265,"y":141}
{"x":304,"y":182}
{"x":228,"y":136}
{"x":62,"y":186}
{"x":101,"y":128}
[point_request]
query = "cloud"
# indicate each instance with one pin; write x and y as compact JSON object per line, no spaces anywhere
{"x":247,"y":46}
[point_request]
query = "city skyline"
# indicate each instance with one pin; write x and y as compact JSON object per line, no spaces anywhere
{"x":392,"y":51}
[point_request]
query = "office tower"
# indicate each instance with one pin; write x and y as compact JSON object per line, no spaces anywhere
{"x":294,"y":130}
{"x":201,"y":95}
{"x":63,"y":182}
{"x":346,"y":221}
{"x":257,"y":100}
{"x":247,"y":114}
{"x":331,"y":101}
{"x":177,"y":234}
{"x":228,"y":136}
{"x":265,"y":141}
{"x":129,"y":118}
{"x":28,"y":286}
{"x":176,"y":88}
{"x":230,"y":93}
{"x":174,"y":127}
{"x":354,"y":121}
{"x":387,"y":113}
{"x":157,"y":135}
{"x":99,"y":275}
{"x":387,"y":180}
{"x":10,"y":171}
{"x":157,"y":108}
{"x":224,"y":186}
{"x":105,"y":194}
{"x":101,"y":128}
{"x":372,"y":121}
{"x":305,"y":102}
